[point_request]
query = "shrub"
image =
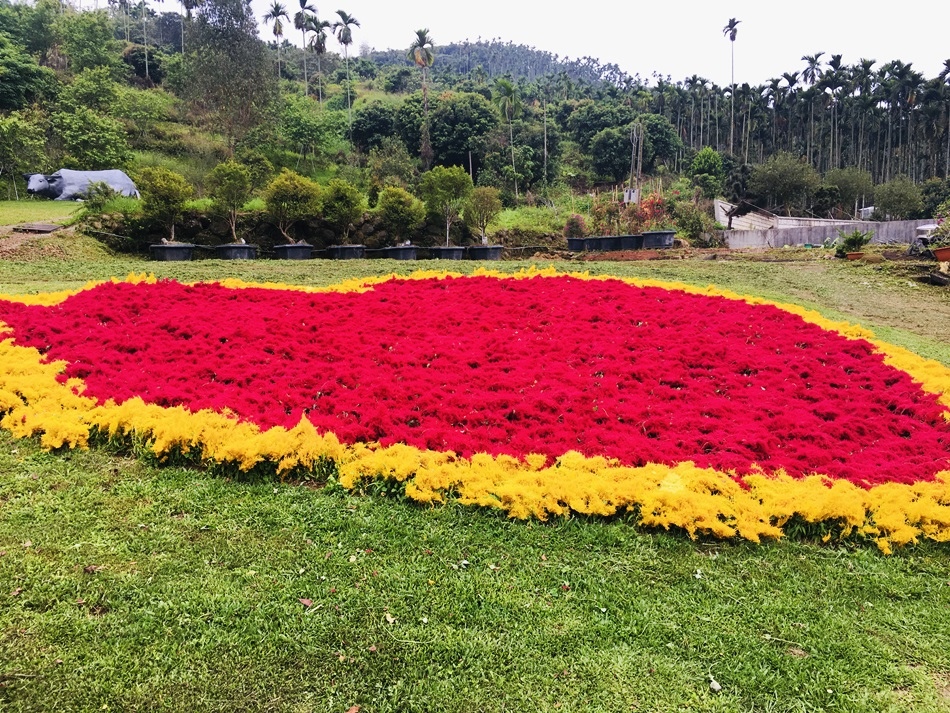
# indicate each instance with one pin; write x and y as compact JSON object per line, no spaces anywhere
{"x":164,"y":194}
{"x":343,"y":205}
{"x":230,"y":186}
{"x":482,"y":207}
{"x":400,"y":213}
{"x":852,"y":242}
{"x":575,"y":227}
{"x":291,"y":197}
{"x":444,"y":191}
{"x":692,"y":222}
{"x":98,"y":196}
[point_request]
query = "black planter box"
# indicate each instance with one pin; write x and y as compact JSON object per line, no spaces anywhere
{"x":171,"y":251}
{"x":631,"y":242}
{"x":576,"y":245}
{"x":400,"y":252}
{"x":610,"y":243}
{"x":346,"y":252}
{"x":295,"y":251}
{"x":235,"y":251}
{"x":450,"y":252}
{"x":484,"y":252}
{"x":594,"y":245}
{"x":658,"y":239}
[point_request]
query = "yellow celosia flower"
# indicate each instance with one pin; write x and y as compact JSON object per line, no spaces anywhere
{"x":697,"y":500}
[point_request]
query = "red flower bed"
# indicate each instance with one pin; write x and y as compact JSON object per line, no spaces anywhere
{"x":543,"y":365}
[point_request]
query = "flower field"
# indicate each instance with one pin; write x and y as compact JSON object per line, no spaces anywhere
{"x":538,"y":394}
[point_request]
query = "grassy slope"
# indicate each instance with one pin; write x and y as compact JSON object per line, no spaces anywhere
{"x":196,"y":605}
{"x":30,"y":211}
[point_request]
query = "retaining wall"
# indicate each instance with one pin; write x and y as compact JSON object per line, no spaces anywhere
{"x":894,"y":231}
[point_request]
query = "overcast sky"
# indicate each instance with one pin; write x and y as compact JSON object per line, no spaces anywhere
{"x":672,"y":38}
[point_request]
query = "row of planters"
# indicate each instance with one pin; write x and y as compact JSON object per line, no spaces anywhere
{"x":293,"y":217}
{"x":305,"y":251}
{"x":648,"y":225}
{"x":648,"y":240}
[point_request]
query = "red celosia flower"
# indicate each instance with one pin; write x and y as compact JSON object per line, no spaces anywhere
{"x":541,"y":365}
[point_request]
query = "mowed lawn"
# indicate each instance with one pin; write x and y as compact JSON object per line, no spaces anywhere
{"x":129,"y":586}
{"x":37,"y":210}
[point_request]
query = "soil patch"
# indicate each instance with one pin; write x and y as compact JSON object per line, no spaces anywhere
{"x":25,"y":246}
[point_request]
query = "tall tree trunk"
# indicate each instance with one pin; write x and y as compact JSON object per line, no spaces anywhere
{"x":306,"y":81}
{"x":511,"y":140}
{"x":145,"y":42}
{"x":946,"y":161}
{"x":545,"y":107}
{"x":319,"y":79}
{"x":732,"y":109}
{"x":349,"y":106}
{"x":425,"y":150}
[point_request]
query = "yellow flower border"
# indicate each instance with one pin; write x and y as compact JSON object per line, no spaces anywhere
{"x":698,"y":500}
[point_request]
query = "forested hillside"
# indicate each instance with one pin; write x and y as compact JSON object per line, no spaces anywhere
{"x":149,"y":86}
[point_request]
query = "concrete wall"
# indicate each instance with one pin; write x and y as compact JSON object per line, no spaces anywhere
{"x":895,"y":231}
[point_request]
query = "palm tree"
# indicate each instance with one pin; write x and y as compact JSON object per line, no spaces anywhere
{"x":123,"y":7}
{"x":421,"y":51}
{"x":301,"y":18}
{"x":944,"y":77}
{"x":276,"y":12}
{"x":318,"y":45}
{"x":145,"y":37}
{"x":730,"y":31}
{"x":509,"y":103}
{"x":344,"y":35}
{"x":187,"y":6}
{"x":862,"y":76}
{"x":834,"y":79}
{"x":810,"y":75}
{"x":791,"y":93}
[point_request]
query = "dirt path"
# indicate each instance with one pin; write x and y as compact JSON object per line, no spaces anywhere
{"x":20,"y":245}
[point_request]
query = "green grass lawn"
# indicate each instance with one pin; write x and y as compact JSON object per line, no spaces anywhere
{"x":126,"y":586}
{"x":36,"y":210}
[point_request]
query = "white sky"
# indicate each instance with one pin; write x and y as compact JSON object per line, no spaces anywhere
{"x":678,"y":38}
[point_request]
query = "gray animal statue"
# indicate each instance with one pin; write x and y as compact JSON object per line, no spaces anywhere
{"x":69,"y":185}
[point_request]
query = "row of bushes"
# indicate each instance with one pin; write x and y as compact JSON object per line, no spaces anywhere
{"x":248,"y":202}
{"x":245,"y":201}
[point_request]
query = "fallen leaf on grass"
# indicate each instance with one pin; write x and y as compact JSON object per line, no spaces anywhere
{"x":353,"y":709}
{"x":93,"y":568}
{"x":28,"y":543}
{"x":306,"y":602}
{"x":372,"y":649}
{"x":390,"y":618}
{"x":796,"y":652}
{"x":16,"y":592}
